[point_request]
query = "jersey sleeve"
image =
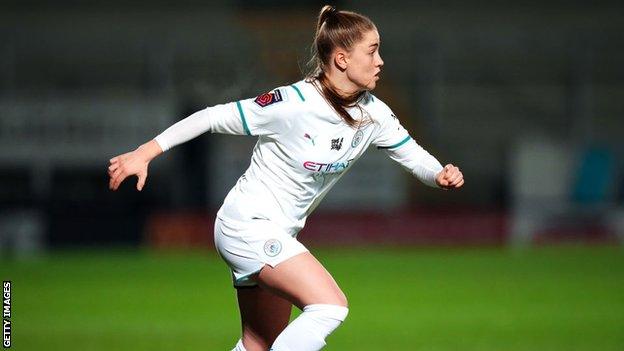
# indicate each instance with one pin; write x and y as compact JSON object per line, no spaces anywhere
{"x":394,"y":139}
{"x":265,"y":114}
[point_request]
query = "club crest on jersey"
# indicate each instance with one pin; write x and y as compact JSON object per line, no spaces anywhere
{"x":269,"y":98}
{"x":272,"y":247}
{"x":357,"y":138}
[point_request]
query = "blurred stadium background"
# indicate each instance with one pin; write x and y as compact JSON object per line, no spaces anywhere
{"x":526,"y":97}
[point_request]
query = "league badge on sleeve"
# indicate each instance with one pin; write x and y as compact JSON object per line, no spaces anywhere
{"x":269,"y":98}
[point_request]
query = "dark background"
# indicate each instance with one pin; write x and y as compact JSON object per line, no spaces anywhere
{"x":526,"y":97}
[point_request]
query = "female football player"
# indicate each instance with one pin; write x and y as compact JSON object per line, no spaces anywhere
{"x":310,"y":134}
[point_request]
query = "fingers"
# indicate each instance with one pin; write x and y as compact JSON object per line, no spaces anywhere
{"x":123,"y":166}
{"x":116,"y":179}
{"x":115,"y":160}
{"x":141,"y":182}
{"x":456,"y":181}
{"x":443,"y":182}
{"x":452,"y":177}
{"x":111,"y":180}
{"x":112,"y":168}
{"x":114,"y":164}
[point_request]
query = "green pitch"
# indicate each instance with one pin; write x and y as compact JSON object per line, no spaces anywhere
{"x":557,"y":298}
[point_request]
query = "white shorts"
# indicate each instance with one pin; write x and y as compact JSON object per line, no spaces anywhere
{"x":246,"y":246}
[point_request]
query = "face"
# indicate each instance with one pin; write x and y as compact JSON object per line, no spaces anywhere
{"x":363,"y":62}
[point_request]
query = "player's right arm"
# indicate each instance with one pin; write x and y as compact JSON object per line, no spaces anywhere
{"x":133,"y":163}
{"x":265,"y":115}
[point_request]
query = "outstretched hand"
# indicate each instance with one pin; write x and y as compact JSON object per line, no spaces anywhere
{"x":450,"y":178}
{"x":122,"y":166}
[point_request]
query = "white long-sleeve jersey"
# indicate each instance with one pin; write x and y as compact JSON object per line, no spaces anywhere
{"x":303,"y":149}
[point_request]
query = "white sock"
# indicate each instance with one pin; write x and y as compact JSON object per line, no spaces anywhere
{"x":308,"y":331}
{"x":239,"y":346}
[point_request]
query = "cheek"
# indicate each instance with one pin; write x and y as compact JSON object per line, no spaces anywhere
{"x":365,"y":67}
{"x":361,"y":69}
{"x":370,"y":64}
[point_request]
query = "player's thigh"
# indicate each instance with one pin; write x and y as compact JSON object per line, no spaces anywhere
{"x":303,"y":280}
{"x":263,"y":316}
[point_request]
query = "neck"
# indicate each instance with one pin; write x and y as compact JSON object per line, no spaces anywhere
{"x":341,"y":83}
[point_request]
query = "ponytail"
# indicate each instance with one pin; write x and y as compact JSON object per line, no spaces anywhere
{"x":326,"y":11}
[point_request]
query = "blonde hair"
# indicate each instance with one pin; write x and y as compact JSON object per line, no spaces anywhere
{"x":336,"y":29}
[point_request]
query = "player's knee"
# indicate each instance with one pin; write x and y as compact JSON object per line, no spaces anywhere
{"x":311,"y":328}
{"x":326,"y":319}
{"x":330,"y":315}
{"x":331,"y":297}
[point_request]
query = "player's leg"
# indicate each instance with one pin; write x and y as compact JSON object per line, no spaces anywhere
{"x":263,"y":317}
{"x":288,"y":270}
{"x":304,"y":281}
{"x":263,"y":314}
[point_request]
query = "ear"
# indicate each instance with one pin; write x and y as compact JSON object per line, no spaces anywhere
{"x":341,"y":59}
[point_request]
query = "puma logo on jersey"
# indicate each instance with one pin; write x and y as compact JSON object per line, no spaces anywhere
{"x":307,"y":136}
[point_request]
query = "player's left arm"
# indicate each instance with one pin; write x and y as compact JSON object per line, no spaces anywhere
{"x":424,"y":166}
{"x":400,"y":147}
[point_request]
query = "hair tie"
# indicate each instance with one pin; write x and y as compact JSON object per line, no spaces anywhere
{"x":326,"y":14}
